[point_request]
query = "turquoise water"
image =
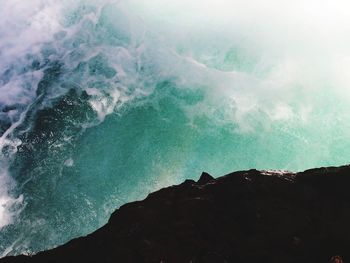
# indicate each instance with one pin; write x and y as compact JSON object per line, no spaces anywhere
{"x":103,"y":102}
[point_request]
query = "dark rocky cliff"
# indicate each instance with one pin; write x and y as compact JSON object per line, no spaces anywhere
{"x":249,"y":216}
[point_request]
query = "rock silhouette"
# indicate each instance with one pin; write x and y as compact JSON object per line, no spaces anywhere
{"x":247,"y":216}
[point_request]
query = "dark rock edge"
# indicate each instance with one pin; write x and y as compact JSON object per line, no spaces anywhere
{"x":247,"y":216}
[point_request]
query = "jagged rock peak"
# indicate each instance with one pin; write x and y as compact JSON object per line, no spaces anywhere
{"x":205,"y":178}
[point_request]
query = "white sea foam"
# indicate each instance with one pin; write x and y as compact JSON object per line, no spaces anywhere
{"x":24,"y":28}
{"x":7,"y":202}
{"x":294,"y":50}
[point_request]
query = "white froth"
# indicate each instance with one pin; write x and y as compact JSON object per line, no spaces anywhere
{"x":24,"y":28}
{"x":69,"y":162}
{"x":6,"y":201}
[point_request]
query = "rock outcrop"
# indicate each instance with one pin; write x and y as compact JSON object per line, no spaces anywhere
{"x":249,"y":216}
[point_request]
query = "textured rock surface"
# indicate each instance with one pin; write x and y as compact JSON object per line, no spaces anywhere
{"x":249,"y":216}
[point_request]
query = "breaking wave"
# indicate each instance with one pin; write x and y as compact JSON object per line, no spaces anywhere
{"x":102,"y":102}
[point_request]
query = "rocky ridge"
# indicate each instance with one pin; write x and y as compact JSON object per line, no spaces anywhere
{"x":247,"y":216}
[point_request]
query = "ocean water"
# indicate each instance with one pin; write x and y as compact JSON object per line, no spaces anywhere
{"x":103,"y":102}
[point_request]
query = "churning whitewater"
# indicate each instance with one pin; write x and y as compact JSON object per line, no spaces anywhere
{"x":102,"y":102}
